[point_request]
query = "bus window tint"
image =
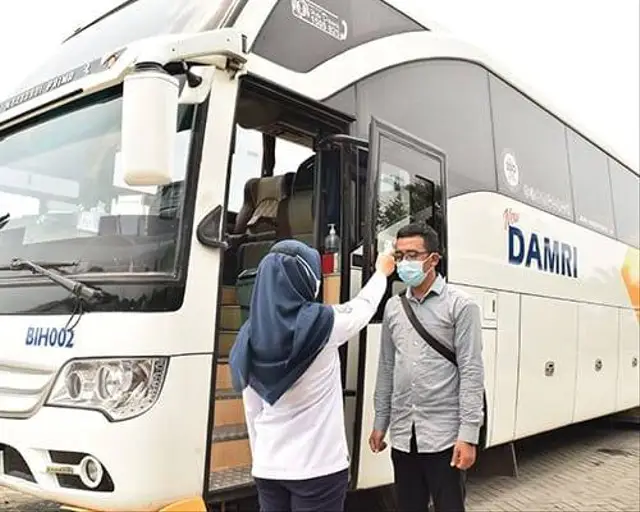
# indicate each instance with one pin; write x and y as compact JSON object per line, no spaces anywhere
{"x":402,"y":200}
{"x":626,"y":203}
{"x":345,"y":24}
{"x":531,"y":151}
{"x":591,"y":186}
{"x":394,"y":204}
{"x":406,"y":189}
{"x":442,"y":102}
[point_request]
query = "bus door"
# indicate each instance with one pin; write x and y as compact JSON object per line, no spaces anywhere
{"x":406,"y":182}
{"x":342,"y":187}
{"x":275,"y":192}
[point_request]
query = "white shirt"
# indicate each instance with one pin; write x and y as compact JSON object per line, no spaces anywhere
{"x":302,"y":435}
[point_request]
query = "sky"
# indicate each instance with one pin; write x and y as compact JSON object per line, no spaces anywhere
{"x":584,"y":55}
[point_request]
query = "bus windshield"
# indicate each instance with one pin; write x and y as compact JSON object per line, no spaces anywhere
{"x":61,"y":183}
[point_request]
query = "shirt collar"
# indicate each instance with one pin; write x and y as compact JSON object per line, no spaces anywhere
{"x":437,"y":287}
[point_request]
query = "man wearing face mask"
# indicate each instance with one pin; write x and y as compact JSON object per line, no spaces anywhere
{"x":430,"y":383}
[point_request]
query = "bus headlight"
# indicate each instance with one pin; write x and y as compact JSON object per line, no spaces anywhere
{"x":119,"y":388}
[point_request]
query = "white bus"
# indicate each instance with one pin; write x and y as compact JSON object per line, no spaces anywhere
{"x":148,"y":165}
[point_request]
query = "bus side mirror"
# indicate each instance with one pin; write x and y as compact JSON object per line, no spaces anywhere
{"x":149,"y":124}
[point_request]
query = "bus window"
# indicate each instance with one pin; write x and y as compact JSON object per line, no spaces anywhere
{"x":247,"y":161}
{"x":63,"y":184}
{"x":258,"y":205}
{"x":411,"y":188}
{"x":401,"y":200}
{"x":408,"y":189}
{"x":591,"y":184}
{"x":624,"y":184}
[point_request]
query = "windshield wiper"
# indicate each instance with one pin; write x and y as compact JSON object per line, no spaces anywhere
{"x":79,"y":289}
{"x":43,"y":264}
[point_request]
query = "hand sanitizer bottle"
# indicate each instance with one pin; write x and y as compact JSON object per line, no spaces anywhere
{"x":332,"y":247}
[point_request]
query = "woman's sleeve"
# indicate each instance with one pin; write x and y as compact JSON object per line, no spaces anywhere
{"x":351,"y":317}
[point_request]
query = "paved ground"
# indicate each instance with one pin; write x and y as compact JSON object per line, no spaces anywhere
{"x":586,"y":468}
{"x":14,"y":502}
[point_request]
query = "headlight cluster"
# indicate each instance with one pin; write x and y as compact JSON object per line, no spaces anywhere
{"x":119,"y":388}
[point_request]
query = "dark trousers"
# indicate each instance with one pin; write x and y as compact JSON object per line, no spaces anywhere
{"x":322,"y":494}
{"x":420,"y":476}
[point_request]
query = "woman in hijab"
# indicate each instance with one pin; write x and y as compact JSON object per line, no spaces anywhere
{"x":286,"y":362}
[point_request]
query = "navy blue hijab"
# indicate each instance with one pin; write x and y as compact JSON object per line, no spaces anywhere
{"x":286,"y":329}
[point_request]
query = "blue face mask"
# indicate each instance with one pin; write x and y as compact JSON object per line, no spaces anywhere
{"x":411,"y":272}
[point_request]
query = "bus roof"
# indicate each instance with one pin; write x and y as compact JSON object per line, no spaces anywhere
{"x":551,"y":106}
{"x":418,"y":12}
{"x":130,"y":20}
{"x":343,"y":70}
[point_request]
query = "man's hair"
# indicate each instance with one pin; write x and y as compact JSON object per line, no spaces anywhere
{"x":429,"y":235}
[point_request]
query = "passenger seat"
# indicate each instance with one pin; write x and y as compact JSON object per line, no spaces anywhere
{"x":262,"y":219}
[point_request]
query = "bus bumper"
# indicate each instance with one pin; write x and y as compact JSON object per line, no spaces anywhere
{"x":149,"y":462}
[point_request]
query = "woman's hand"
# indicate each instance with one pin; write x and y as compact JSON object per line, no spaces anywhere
{"x":385,"y":263}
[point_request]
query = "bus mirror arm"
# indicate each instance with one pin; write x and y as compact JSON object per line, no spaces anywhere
{"x":151,"y":96}
{"x":199,"y":81}
{"x":209,"y":230}
{"x":224,"y":48}
{"x":192,"y":79}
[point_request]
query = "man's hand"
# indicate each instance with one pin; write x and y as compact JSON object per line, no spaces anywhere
{"x":464,"y":455}
{"x":376,"y":441}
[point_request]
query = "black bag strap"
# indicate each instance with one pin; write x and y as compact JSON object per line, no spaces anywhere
{"x":424,"y":334}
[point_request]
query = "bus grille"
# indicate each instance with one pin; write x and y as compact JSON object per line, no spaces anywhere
{"x":22,"y":389}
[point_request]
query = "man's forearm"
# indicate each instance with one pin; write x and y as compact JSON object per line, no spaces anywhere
{"x":383,"y":414}
{"x":384,"y":381}
{"x":471,"y":392}
{"x":382,"y":398}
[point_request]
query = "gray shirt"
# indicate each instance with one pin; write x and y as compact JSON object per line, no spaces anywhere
{"x":416,"y":385}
